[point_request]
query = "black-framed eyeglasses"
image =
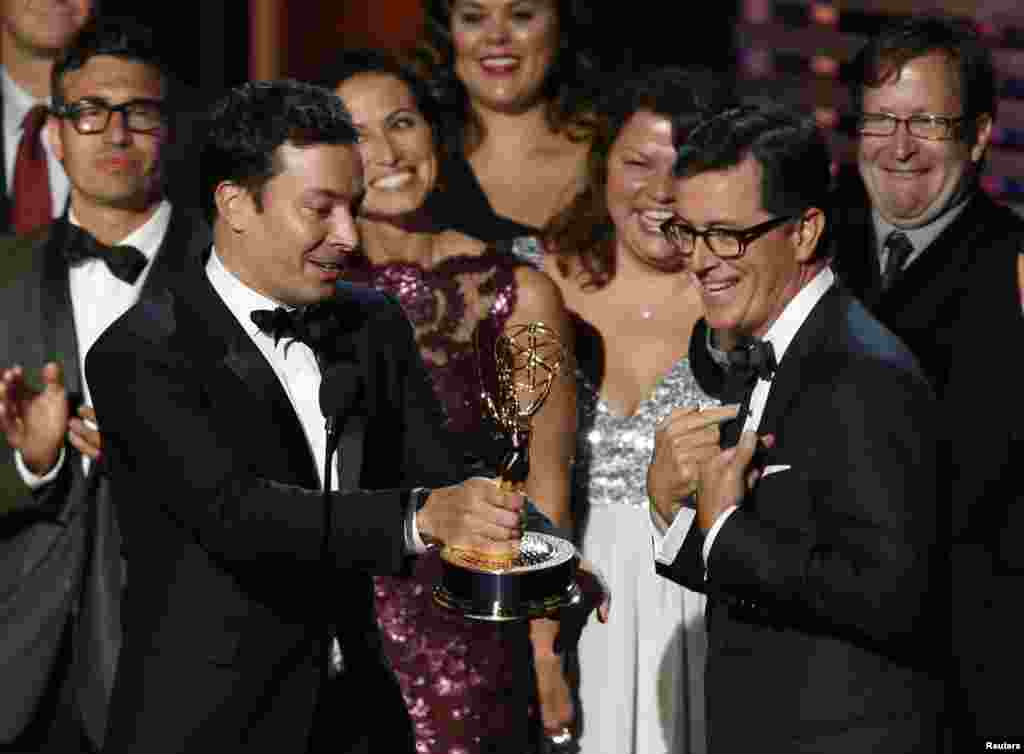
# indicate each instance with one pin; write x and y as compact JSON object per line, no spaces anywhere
{"x":921,"y":125}
{"x":724,"y":243}
{"x":92,"y":116}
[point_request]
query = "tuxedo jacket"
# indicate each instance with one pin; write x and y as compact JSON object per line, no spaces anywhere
{"x":821,"y":584}
{"x":59,"y":546}
{"x":926,"y":305}
{"x":958,"y":307}
{"x":218,"y":497}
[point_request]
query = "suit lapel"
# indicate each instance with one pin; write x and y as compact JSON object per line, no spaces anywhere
{"x":939,"y":274}
{"x":350,"y":346}
{"x":60,"y":342}
{"x":186,"y":238}
{"x":5,"y":202}
{"x":856,"y":264}
{"x":792,"y":375}
{"x":235,"y":362}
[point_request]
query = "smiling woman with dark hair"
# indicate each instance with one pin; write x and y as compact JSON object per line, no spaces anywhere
{"x":466,"y":684}
{"x":641,"y":679}
{"x":515,"y":76}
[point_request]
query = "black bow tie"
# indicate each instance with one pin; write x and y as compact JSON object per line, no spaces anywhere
{"x":315,"y":325}
{"x":753,"y":359}
{"x":124,"y":262}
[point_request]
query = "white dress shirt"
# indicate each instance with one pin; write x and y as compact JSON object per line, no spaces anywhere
{"x":920,"y":238}
{"x":780,"y":334}
{"x":97,"y":299}
{"x":293,"y":362}
{"x":16,"y":104}
{"x":295,"y":366}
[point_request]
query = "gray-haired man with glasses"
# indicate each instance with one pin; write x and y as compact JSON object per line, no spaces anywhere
{"x":936,"y":260}
{"x":60,"y":565}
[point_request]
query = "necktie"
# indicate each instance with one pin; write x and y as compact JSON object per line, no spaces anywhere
{"x":124,"y":262}
{"x":315,"y":325}
{"x":900,"y":248}
{"x":751,"y":360}
{"x":32,"y":202}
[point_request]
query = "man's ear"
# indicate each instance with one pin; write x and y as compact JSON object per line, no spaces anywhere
{"x":808,"y":232}
{"x":234,"y":204}
{"x":983,"y":134}
{"x":53,"y":136}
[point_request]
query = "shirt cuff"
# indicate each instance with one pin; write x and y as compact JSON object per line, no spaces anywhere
{"x":414,"y":543}
{"x":716,"y":527}
{"x":34,"y":481}
{"x":668,"y":544}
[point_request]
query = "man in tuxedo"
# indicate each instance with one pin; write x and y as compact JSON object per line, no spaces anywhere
{"x":33,"y":35}
{"x":60,"y":565}
{"x":935,"y":259}
{"x":243,"y":570}
{"x":814,"y":536}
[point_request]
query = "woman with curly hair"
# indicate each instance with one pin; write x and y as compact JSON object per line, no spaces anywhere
{"x":634,"y":307}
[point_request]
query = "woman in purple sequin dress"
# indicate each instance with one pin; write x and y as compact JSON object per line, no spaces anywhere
{"x":468,"y":685}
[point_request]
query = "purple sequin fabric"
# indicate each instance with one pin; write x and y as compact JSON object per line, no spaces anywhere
{"x":466,"y":684}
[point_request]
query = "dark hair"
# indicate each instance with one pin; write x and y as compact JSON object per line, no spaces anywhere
{"x":789,"y":147}
{"x":898,"y":43}
{"x":117,"y":37}
{"x":245,"y":128}
{"x":567,"y":89}
{"x":584,"y":229}
{"x":354,"y":62}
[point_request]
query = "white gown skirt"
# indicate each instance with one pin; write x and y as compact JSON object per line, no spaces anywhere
{"x":641,"y":674}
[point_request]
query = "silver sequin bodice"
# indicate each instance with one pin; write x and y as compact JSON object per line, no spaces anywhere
{"x":614,"y":451}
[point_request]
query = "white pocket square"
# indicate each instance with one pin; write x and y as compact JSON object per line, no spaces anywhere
{"x":769,"y":470}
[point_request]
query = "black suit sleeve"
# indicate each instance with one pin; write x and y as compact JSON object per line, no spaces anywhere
{"x":862,"y":560}
{"x":168,"y":446}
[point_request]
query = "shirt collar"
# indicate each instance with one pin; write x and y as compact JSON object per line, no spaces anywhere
{"x":239,"y":298}
{"x":920,"y":237}
{"x":784,"y":329}
{"x":148,"y":236}
{"x":17,"y":102}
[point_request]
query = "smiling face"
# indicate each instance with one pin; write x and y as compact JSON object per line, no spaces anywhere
{"x":911,"y":181}
{"x":745,"y":296}
{"x":639,"y":191}
{"x":504,"y":50}
{"x":44,"y":27}
{"x":292,"y":249}
{"x":395,"y":142}
{"x":118,"y":167}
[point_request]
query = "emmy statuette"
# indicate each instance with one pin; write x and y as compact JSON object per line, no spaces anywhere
{"x":534,"y":577}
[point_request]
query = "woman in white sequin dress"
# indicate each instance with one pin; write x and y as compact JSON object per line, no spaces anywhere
{"x":641,"y":677}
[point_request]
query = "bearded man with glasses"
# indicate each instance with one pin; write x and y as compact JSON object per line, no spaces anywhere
{"x":940,"y":264}
{"x":60,"y":556}
{"x":808,"y":518}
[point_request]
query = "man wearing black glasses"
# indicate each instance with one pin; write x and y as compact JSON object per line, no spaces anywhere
{"x":60,"y":567}
{"x":936,"y":260}
{"x":807,"y":515}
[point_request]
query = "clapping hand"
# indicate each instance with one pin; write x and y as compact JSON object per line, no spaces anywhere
{"x":84,"y":433}
{"x":34,"y":421}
